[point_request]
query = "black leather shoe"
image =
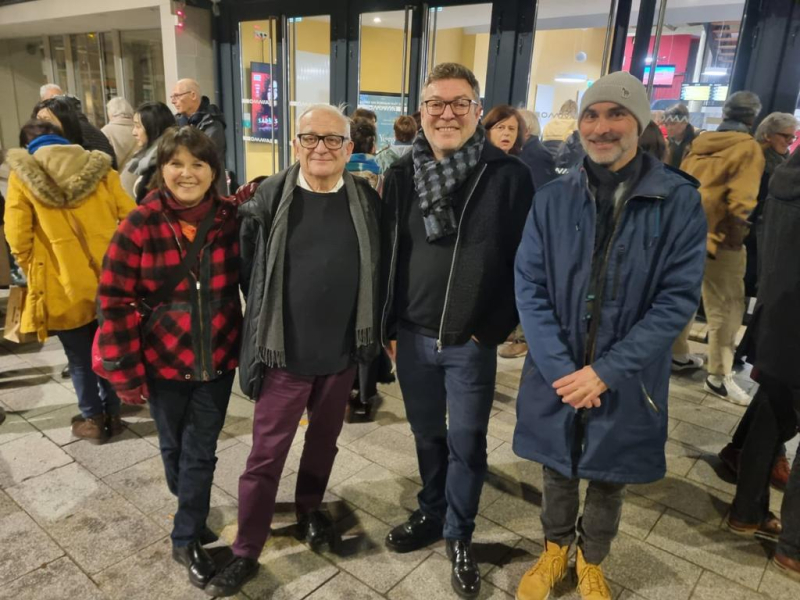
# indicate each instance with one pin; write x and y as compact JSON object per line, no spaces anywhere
{"x":361,"y":408}
{"x":232,"y":578}
{"x":317,"y":529}
{"x":466,"y":576}
{"x":198,"y":563}
{"x":419,"y":531}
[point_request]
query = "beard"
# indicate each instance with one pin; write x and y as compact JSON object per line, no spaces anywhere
{"x":620,"y":145}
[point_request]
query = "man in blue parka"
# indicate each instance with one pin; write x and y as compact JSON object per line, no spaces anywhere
{"x":607,"y":275}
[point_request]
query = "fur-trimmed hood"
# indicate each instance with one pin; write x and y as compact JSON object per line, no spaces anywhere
{"x":60,"y":176}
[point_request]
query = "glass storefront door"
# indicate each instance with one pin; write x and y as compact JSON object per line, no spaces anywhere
{"x":285,"y":67}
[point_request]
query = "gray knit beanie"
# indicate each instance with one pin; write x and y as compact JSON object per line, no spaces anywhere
{"x":621,"y":88}
{"x":742,"y":106}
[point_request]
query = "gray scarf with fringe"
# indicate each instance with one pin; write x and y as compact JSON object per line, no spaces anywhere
{"x":270,"y":347}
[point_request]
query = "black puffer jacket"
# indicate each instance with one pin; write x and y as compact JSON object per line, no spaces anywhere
{"x":776,"y":321}
{"x":94,"y":139}
{"x":481,"y":288}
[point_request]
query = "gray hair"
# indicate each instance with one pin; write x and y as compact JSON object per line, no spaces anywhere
{"x":336,"y":111}
{"x":531,"y":122}
{"x":742,"y":106}
{"x":119,"y":107}
{"x":50,"y":87}
{"x":774,"y":123}
{"x":451,"y":70}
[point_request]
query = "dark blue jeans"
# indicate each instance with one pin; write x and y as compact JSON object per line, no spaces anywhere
{"x":189,"y":417}
{"x":95,"y":395}
{"x":448,"y":397}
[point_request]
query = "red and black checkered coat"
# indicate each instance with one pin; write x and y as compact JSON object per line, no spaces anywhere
{"x":195,"y":336}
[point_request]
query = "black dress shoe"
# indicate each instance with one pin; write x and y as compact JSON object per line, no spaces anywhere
{"x":317,"y":529}
{"x":197,"y":561}
{"x":466,"y":576}
{"x":65,"y":372}
{"x":232,"y":578}
{"x":419,"y":531}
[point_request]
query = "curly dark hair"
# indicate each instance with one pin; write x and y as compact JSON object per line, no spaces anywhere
{"x":364,"y":135}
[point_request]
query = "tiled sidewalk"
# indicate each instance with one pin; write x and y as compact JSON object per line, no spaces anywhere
{"x":88,"y":522}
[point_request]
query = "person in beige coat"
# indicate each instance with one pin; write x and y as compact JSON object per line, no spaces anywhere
{"x":63,"y":206}
{"x":729,"y":164}
{"x":119,"y":130}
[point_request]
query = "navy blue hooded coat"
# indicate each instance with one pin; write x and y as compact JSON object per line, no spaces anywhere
{"x":652,"y":274}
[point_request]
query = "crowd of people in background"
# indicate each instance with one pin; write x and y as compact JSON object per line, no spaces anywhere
{"x":593,"y":247}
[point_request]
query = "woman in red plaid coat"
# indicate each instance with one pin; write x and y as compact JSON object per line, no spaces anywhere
{"x":180,"y":354}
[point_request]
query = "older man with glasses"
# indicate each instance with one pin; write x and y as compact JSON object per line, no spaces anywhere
{"x":310,"y":259}
{"x":454,"y":213}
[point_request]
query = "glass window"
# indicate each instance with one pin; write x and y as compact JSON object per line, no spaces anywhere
{"x":88,"y":78}
{"x":58,"y":55}
{"x":260,"y":73}
{"x":109,"y":65}
{"x":694,"y":61}
{"x":143,"y":66}
{"x":568,"y":49}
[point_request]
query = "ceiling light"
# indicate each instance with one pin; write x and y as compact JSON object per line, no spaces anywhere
{"x":648,"y":60}
{"x":571,"y":78}
{"x":376,"y":20}
{"x":715,"y":72}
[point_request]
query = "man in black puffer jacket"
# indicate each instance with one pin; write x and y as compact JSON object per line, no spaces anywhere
{"x":454,"y":211}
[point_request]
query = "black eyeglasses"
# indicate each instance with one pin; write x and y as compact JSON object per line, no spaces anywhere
{"x":460,"y":107}
{"x":176,"y":96}
{"x":789,"y":137}
{"x":311,"y":140}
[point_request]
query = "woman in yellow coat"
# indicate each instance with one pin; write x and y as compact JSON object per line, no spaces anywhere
{"x":63,"y":206}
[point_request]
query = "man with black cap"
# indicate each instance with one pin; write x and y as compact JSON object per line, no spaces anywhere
{"x":729,"y":164}
{"x":607,"y":275}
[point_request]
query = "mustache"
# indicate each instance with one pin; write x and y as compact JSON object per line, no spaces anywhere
{"x":606,"y":137}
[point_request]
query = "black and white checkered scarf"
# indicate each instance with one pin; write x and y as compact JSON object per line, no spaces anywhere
{"x":436,"y":181}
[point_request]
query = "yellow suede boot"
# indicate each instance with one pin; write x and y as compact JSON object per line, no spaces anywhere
{"x":591,"y":581}
{"x":545,"y":573}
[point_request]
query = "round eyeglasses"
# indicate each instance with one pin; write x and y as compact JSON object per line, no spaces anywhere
{"x":460,"y":107}
{"x":311,"y":140}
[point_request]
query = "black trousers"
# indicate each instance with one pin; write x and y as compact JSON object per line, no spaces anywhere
{"x":189,"y":417}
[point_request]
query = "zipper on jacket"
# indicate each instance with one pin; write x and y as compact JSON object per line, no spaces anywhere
{"x":198,"y":286}
{"x":617,"y":269}
{"x":390,"y":287}
{"x":455,"y":254}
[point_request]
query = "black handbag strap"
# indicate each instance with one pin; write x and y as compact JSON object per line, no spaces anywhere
{"x":180,"y":272}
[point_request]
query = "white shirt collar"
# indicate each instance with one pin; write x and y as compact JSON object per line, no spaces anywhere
{"x":303,"y":184}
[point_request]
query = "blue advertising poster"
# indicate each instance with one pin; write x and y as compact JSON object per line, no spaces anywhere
{"x":387,"y":107}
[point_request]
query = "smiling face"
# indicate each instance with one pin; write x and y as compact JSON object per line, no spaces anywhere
{"x":187,"y":177}
{"x":609,"y":134}
{"x":504,"y":134}
{"x":321,"y":166}
{"x":447,"y":132}
{"x":139,"y":134}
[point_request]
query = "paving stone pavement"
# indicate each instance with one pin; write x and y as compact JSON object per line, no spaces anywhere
{"x":92,"y":522}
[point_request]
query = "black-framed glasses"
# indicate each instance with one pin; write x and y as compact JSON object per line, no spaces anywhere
{"x":789,"y":137}
{"x":460,"y":107}
{"x":174,"y":97}
{"x":311,"y":140}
